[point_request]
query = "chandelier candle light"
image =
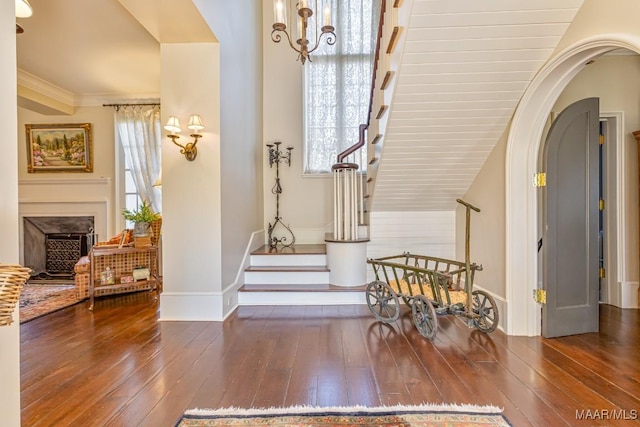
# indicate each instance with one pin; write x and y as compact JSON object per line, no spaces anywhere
{"x":276,"y":157}
{"x":303,"y":12}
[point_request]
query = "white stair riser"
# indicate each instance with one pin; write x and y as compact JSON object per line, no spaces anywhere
{"x":284,"y":277}
{"x":301,"y":298}
{"x":288,"y":260}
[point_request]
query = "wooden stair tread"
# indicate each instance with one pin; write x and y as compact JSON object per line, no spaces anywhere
{"x":310,"y":249}
{"x":288,"y":268}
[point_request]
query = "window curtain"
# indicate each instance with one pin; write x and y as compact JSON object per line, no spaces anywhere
{"x":140,"y":133}
{"x":337,"y":83}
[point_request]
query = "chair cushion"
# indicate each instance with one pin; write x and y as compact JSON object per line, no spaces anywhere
{"x":83,"y":265}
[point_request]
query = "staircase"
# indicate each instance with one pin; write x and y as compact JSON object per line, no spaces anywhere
{"x":293,"y":276}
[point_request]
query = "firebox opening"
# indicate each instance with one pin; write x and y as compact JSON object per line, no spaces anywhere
{"x":53,"y":245}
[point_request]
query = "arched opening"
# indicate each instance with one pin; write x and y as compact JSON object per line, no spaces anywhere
{"x":523,"y":145}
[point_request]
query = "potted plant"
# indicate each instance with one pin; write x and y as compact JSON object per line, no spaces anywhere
{"x":142,"y":218}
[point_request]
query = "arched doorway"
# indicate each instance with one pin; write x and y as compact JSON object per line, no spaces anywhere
{"x":523,"y":145}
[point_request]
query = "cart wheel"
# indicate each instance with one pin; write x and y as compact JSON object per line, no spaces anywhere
{"x":424,"y":317}
{"x":383,"y":301}
{"x":484,"y":306}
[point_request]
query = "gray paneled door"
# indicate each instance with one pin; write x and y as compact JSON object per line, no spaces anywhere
{"x":570,"y":238}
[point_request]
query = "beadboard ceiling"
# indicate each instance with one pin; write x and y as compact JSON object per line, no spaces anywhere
{"x":464,"y":68}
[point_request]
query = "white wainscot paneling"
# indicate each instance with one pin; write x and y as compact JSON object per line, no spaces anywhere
{"x":424,"y":233}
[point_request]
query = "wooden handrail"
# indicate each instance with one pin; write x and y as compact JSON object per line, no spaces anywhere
{"x":363,"y":127}
{"x":355,"y":146}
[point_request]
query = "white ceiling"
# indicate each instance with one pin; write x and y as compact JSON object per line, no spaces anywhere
{"x":93,"y":49}
{"x":465,"y":66}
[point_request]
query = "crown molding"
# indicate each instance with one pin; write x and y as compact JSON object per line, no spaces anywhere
{"x":62,"y":101}
{"x":45,"y":88}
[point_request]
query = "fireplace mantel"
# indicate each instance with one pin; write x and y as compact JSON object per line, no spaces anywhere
{"x":51,"y":197}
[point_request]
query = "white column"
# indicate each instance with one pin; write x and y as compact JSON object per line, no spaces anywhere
{"x":191,"y":190}
{"x":336,"y":177}
{"x":9,"y":242}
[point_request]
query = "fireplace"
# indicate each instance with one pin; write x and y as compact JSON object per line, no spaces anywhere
{"x":52,"y":245}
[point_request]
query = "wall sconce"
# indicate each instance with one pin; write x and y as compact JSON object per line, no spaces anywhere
{"x":190,"y":150}
{"x":23,"y":10}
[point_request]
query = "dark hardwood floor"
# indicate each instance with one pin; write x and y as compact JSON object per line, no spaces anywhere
{"x":118,"y":366}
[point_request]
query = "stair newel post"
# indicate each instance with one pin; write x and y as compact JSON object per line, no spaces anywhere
{"x":336,"y":203}
{"x":354,"y":204}
{"x":361,"y":194}
{"x":345,"y":201}
{"x":276,"y":156}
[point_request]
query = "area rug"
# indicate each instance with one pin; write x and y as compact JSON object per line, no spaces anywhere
{"x":388,"y":416}
{"x":38,"y":300}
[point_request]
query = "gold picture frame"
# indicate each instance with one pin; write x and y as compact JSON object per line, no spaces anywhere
{"x":63,"y":147}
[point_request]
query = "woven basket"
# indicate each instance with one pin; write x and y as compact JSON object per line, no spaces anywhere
{"x":156,"y":227}
{"x":12,"y":279}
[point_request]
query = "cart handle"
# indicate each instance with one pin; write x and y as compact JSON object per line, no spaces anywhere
{"x":469,"y":205}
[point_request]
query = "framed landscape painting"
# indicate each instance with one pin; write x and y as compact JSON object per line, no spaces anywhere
{"x":59,"y":148}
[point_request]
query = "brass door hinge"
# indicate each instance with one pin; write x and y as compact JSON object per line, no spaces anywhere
{"x":601,"y":139}
{"x":603,"y":273}
{"x":540,"y":179}
{"x":540,"y":296}
{"x":601,"y":204}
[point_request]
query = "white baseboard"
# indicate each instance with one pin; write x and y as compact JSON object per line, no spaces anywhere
{"x":625,"y":295}
{"x":191,"y":306}
{"x":208,"y":306}
{"x":230,"y":293}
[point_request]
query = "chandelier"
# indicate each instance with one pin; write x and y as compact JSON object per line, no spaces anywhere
{"x":303,"y":12}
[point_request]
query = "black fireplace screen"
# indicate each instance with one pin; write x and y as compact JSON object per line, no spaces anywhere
{"x":63,"y":251}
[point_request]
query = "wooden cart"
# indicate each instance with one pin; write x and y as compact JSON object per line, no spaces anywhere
{"x":430,"y":286}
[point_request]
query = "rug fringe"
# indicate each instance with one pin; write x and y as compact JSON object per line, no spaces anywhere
{"x":301,"y":409}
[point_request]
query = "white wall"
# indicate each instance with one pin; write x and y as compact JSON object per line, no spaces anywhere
{"x":240,"y":129}
{"x":9,"y":335}
{"x":306,"y":203}
{"x":101,"y":120}
{"x":487,"y":230}
{"x":487,"y":227}
{"x":77,"y":193}
{"x":191,"y":189}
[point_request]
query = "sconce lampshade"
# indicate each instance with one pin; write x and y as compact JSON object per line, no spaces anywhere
{"x":23,"y":9}
{"x":189,"y":149}
{"x":173,"y":125}
{"x":195,"y":123}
